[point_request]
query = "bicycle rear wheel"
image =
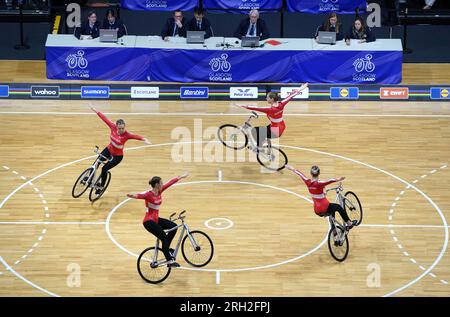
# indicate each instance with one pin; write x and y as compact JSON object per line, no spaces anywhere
{"x":232,"y":137}
{"x":148,"y":271}
{"x":81,"y":184}
{"x":339,"y":251}
{"x":352,"y":204}
{"x":92,"y":195}
{"x":200,"y":253}
{"x":272,"y":158}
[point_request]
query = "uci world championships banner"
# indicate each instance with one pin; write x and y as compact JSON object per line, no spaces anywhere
{"x":239,"y":6}
{"x":159,"y":5}
{"x":325,"y":6}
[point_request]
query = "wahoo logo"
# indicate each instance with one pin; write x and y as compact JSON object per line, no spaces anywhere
{"x":194,"y":92}
{"x":45,"y":91}
{"x":95,"y":92}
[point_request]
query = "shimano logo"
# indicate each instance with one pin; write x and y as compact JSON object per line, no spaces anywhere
{"x":95,"y":92}
{"x":197,"y":92}
{"x":45,"y":91}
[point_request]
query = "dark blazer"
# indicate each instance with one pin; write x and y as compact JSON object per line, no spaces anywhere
{"x":261,"y":29}
{"x":368,"y":35}
{"x":84,"y":29}
{"x":339,"y":36}
{"x":205,"y":26}
{"x":169,"y":26}
{"x":118,"y":24}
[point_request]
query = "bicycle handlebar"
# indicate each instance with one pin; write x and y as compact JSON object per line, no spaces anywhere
{"x":180,"y":216}
{"x":335,"y":188}
{"x":109,"y":159}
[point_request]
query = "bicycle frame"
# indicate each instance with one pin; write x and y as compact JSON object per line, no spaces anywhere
{"x":185,"y":230}
{"x":101,"y":159}
{"x":247,"y":127}
{"x":339,"y":200}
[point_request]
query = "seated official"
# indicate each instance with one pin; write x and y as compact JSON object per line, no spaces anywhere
{"x":200,"y":23}
{"x":174,"y":26}
{"x":252,"y":26}
{"x":89,"y":29}
{"x":332,"y":24}
{"x":359,"y":32}
{"x":111,"y":22}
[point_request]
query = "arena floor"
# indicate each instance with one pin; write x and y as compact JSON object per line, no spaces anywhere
{"x":395,"y":156}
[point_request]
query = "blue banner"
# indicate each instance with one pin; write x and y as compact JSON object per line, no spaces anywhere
{"x":325,"y":6}
{"x":159,"y":5}
{"x":84,"y":63}
{"x":150,"y":64}
{"x":239,"y":6}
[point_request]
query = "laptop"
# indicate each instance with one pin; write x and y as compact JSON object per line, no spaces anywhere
{"x":107,"y":35}
{"x":195,"y":37}
{"x":250,"y":41}
{"x":326,"y":37}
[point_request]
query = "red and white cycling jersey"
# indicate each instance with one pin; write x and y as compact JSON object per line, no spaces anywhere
{"x":117,"y":141}
{"x":153,"y":202}
{"x":275,"y":114}
{"x":316,"y":189}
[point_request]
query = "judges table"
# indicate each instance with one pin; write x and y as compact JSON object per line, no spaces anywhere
{"x":219,"y":59}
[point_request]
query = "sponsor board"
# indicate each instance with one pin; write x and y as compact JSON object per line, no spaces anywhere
{"x":44,"y":91}
{"x":243,"y":92}
{"x":394,"y":93}
{"x":94,"y":91}
{"x":286,"y":91}
{"x":440,"y":92}
{"x":144,"y":92}
{"x":344,"y":93}
{"x":4,"y":91}
{"x":194,"y":92}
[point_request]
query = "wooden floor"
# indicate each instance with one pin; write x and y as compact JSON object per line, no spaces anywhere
{"x":395,"y":157}
{"x":34,"y":72}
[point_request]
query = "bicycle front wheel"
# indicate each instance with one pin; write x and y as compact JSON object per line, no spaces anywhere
{"x":92,"y":195}
{"x":338,"y":247}
{"x":353,"y":207}
{"x":232,"y":137}
{"x":199,"y":251}
{"x":272,"y":158}
{"x":146,"y":266}
{"x":82,"y":184}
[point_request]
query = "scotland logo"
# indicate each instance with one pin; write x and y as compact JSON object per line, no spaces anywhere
{"x":77,"y":64}
{"x":364,"y":68}
{"x":366,"y":64}
{"x":220,"y":69}
{"x":77,"y":60}
{"x":249,"y":5}
{"x":156,"y":3}
{"x":329,"y":5}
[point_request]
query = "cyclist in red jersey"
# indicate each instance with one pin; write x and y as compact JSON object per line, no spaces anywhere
{"x":275,"y":114}
{"x":152,"y":222}
{"x":322,"y":207}
{"x":118,"y":137}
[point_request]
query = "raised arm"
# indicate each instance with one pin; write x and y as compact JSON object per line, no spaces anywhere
{"x":295,"y":171}
{"x":331,"y":181}
{"x":138,"y":195}
{"x":294,"y":93}
{"x":259,"y":109}
{"x":174,"y":180}
{"x":110,"y":124}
